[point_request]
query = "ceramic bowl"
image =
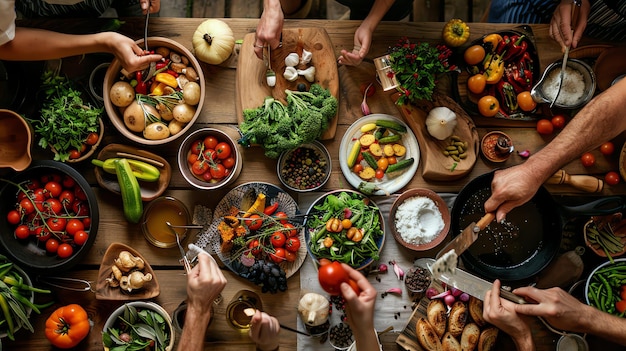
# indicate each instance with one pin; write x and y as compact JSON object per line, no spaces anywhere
{"x":295,"y":167}
{"x":195,"y":139}
{"x":610,"y":66}
{"x":15,"y":141}
{"x":113,"y":75}
{"x":422,"y":219}
{"x":593,"y":280}
{"x":496,"y":146}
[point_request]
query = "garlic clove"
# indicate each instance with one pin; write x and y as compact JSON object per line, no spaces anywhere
{"x":306,"y":57}
{"x":290,"y":74}
{"x":292,"y":60}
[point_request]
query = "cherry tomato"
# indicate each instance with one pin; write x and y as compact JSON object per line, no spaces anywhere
{"x":206,"y":176}
{"x":488,"y":106}
{"x":38,"y":201}
{"x":255,"y":247}
{"x":282,"y":217}
{"x":292,"y":232}
{"x":223,"y":150}
{"x":92,"y":138}
{"x":87,"y":223}
{"x":380,"y":174}
{"x":587,"y":159}
{"x":83,"y":148}
{"x":209,"y":154}
{"x":197,"y":147}
{"x":57,"y":224}
{"x":80,"y":238}
{"x":292,"y":244}
{"x":269,"y":210}
{"x":65,"y":250}
{"x":229,"y":162}
{"x":278,"y":239}
{"x":474,"y":54}
{"x":22,"y":231}
{"x":607,"y":148}
{"x":558,"y":121}
{"x":357,"y":168}
{"x":13,"y":217}
{"x":525,"y":101}
{"x":545,"y":127}
{"x":331,"y":275}
{"x":199,"y":167}
{"x":74,"y":154}
{"x":477,"y":83}
{"x":192,"y":158}
{"x":392,"y":160}
{"x":290,"y":256}
{"x":53,"y":205}
{"x":370,"y":87}
{"x":66,"y":198}
{"x":382,"y":163}
{"x":74,"y":225}
{"x":52,"y":245}
{"x":218,"y":171}
{"x":27,"y":206}
{"x":79,"y":193}
{"x":612,"y":178}
{"x":80,"y":208}
{"x":254,"y":222}
{"x":42,"y":234}
{"x":33,"y":184}
{"x":210,"y":142}
{"x":278,"y":256}
{"x":68,"y":182}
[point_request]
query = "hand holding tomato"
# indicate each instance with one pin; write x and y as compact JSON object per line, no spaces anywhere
{"x":332,"y":274}
{"x":67,"y":326}
{"x":360,"y":305}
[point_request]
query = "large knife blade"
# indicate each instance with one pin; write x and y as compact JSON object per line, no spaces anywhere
{"x":467,"y":236}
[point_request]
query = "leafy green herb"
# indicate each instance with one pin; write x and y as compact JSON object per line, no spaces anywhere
{"x":66,"y":120}
{"x":415,"y":67}
{"x":137,"y":330}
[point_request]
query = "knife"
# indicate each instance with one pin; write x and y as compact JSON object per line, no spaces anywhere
{"x":469,"y":283}
{"x":467,"y":236}
{"x":574,"y":18}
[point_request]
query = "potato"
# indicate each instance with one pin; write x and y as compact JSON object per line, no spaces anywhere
{"x":156,"y":131}
{"x":122,"y":94}
{"x":175,"y":127}
{"x":134,"y":117}
{"x":164,"y":110}
{"x":183,"y":113}
{"x":191,"y":93}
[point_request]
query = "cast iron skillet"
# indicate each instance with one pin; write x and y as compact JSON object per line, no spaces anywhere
{"x":528,"y":243}
{"x":28,"y":254}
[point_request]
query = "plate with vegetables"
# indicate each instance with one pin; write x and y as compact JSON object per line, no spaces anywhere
{"x":345,"y":226}
{"x":379,"y":154}
{"x":256,"y":227}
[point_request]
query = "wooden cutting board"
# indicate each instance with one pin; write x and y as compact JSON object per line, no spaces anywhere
{"x":436,"y":165}
{"x":251,"y":84}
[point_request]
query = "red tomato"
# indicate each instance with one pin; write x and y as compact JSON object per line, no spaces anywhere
{"x":22,"y":231}
{"x":254,"y":222}
{"x":80,"y":194}
{"x":80,"y":208}
{"x":53,"y":205}
{"x":269,"y":210}
{"x":331,"y":275}
{"x":588,"y":159}
{"x":278,"y":239}
{"x":73,"y":226}
{"x":52,"y":245}
{"x":229,"y":162}
{"x":278,"y":256}
{"x":620,"y":306}
{"x":223,"y":150}
{"x":607,"y":148}
{"x":33,"y":184}
{"x":92,"y":138}
{"x":38,"y":200}
{"x":87,"y":223}
{"x":622,"y":292}
{"x":74,"y":154}
{"x":65,"y":250}
{"x":68,"y":182}
{"x":612,"y":178}
{"x":80,"y":238}
{"x":558,"y":121}
{"x":380,"y":174}
{"x":192,"y":158}
{"x":209,"y":154}
{"x":255,"y":247}
{"x":290,"y":256}
{"x":199,"y":167}
{"x":545,"y":127}
{"x":282,"y":217}
{"x":42,"y":234}
{"x":27,"y":206}
{"x":218,"y":171}
{"x":197,"y":147}
{"x":206,"y":176}
{"x":292,"y":244}
{"x":357,"y":168}
{"x":292,"y":230}
{"x":210,"y":142}
{"x":57,"y":224}
{"x":13,"y":217}
{"x":66,"y":198}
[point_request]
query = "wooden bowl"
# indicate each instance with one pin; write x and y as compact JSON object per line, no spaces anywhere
{"x":15,"y":140}
{"x":149,"y":190}
{"x":90,"y":149}
{"x":421,"y":216}
{"x":610,"y":65}
{"x":105,"y":292}
{"x":113,"y":75}
{"x":618,"y":226}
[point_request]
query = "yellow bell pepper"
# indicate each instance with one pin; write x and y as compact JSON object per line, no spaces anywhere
{"x":167,"y":79}
{"x":455,"y":32}
{"x":157,"y":89}
{"x":494,"y":68}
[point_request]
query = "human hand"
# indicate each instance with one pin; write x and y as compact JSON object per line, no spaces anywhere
{"x":359,"y":308}
{"x":561,"y":23}
{"x":510,"y":188}
{"x":132,"y":57}
{"x":205,"y":282}
{"x":269,"y":29}
{"x":264,"y":331}
{"x":362,"y":42}
{"x":153,"y":6}
{"x":502,"y":314}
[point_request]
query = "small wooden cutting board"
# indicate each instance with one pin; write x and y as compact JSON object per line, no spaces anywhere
{"x":436,"y":165}
{"x":251,"y":84}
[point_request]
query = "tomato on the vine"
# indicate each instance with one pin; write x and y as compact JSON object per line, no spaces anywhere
{"x":199,"y":167}
{"x":13,"y":217}
{"x":218,"y":171}
{"x":209,"y":154}
{"x":79,"y":193}
{"x":290,"y":256}
{"x":229,"y":162}
{"x":223,"y":150}
{"x":66,"y":198}
{"x":42,"y":234}
{"x":607,"y":148}
{"x":80,"y":208}
{"x":53,"y":205}
{"x":22,"y":231}
{"x":74,"y":225}
{"x":65,"y":250}
{"x":255,"y":247}
{"x":292,"y":244}
{"x":210,"y":142}
{"x":282,"y":217}
{"x":197,"y":147}
{"x":52,"y":245}
{"x":612,"y":178}
{"x":80,"y":237}
{"x":57,"y":224}
{"x":254,"y":222}
{"x":292,"y":230}
{"x":206,"y":176}
{"x":278,"y":256}
{"x":278,"y":239}
{"x":27,"y":206}
{"x":87,"y":222}
{"x":68,"y":182}
{"x":192,"y":158}
{"x":587,"y":159}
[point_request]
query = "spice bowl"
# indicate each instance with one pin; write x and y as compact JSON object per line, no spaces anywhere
{"x":340,"y":336}
{"x":496,"y":146}
{"x":572,"y":95}
{"x":417,"y":280}
{"x":155,"y":217}
{"x":306,"y":168}
{"x":419,"y":219}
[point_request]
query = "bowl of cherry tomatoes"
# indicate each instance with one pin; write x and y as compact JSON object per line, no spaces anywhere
{"x":209,"y":159}
{"x":51,"y":217}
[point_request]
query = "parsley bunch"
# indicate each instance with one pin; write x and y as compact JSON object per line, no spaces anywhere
{"x":66,"y":120}
{"x":415,"y":67}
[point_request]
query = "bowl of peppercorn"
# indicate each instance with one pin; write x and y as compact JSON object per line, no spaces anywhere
{"x":306,"y":168}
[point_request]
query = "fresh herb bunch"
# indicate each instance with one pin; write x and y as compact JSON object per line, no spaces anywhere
{"x":66,"y":120}
{"x":137,"y":330}
{"x":415,"y":67}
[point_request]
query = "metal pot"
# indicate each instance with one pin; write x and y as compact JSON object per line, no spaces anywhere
{"x":528,"y":241}
{"x":545,"y":91}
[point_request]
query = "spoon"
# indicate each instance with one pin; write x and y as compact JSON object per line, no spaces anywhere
{"x":149,"y":72}
{"x":270,"y":75}
{"x":180,"y":247}
{"x":251,"y":311}
{"x":186,"y":226}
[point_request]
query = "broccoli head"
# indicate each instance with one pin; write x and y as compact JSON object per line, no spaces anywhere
{"x":329,"y":108}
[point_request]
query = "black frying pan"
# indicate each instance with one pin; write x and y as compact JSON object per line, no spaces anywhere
{"x":531,"y":239}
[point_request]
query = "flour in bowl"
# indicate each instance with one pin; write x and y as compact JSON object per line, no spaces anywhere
{"x":573,"y":89}
{"x":418,"y":220}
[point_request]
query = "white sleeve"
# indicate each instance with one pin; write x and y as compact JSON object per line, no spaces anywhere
{"x":7,"y":21}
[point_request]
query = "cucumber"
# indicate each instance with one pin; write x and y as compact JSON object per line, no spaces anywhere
{"x":380,"y":132}
{"x":370,"y":159}
{"x":354,"y":153}
{"x":400,"y":165}
{"x":131,"y":193}
{"x":391,"y":125}
{"x":390,"y":139}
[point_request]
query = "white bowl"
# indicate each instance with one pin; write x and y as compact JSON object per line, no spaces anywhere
{"x":142,"y":305}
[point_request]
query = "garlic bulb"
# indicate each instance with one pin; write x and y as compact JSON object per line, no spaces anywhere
{"x":292,"y":60}
{"x":313,"y":309}
{"x":308,"y":73}
{"x":441,"y":122}
{"x":306,"y":57}
{"x":290,"y":73}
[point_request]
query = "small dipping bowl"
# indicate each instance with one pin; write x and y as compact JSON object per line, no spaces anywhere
{"x":306,"y":168}
{"x":157,"y":213}
{"x":496,"y":146}
{"x":15,"y":140}
{"x":546,"y":89}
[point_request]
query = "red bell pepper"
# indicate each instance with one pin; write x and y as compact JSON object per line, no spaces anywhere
{"x":500,"y":49}
{"x":508,"y":97}
{"x":516,"y":47}
{"x":141,"y":87}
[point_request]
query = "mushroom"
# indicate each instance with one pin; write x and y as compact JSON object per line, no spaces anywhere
{"x":126,"y":261}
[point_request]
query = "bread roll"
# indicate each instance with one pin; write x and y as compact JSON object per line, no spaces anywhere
{"x":450,"y":343}
{"x":487,"y":340}
{"x":469,"y":337}
{"x":426,"y":336}
{"x":436,"y":313}
{"x":457,"y":318}
{"x":476,"y":311}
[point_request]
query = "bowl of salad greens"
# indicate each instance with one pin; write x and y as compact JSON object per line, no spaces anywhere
{"x":138,"y":325}
{"x":345,"y":226}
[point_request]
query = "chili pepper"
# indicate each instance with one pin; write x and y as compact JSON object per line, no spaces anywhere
{"x":166,"y":78}
{"x":172,"y":73}
{"x":515,"y":47}
{"x":160,"y":65}
{"x":141,"y":87}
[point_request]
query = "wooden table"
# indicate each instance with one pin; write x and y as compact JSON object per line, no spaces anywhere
{"x":219,"y":111}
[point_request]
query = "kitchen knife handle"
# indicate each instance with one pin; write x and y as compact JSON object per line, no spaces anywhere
{"x":484,"y":222}
{"x":512,"y":297}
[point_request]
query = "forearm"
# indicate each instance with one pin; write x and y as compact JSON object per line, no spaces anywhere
{"x":603,"y":325}
{"x":196,"y":323}
{"x":36,"y":44}
{"x":524,"y":343}
{"x":366,"y":338}
{"x":376,"y":14}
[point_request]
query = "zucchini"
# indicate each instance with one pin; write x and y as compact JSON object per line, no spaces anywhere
{"x":131,"y":193}
{"x":391,"y":125}
{"x":390,"y":139}
{"x":354,"y":153}
{"x":141,"y":170}
{"x":400,"y":165}
{"x":368,"y":127}
{"x":371,"y":160}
